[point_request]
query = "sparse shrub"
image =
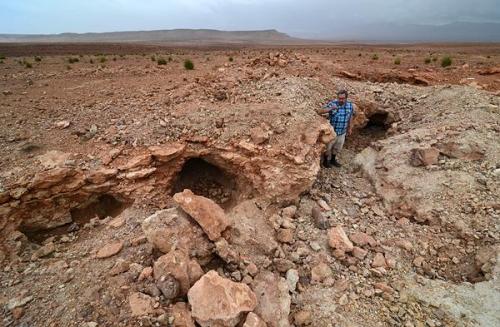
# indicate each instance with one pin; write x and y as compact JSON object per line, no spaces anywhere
{"x":161,"y":61}
{"x":359,"y":54}
{"x":489,"y":57}
{"x":28,"y":64}
{"x":1,"y":61}
{"x":91,"y":61}
{"x":188,"y":64}
{"x":72,"y":60}
{"x":446,"y":61}
{"x":170,"y":58}
{"x":2,"y":57}
{"x":153,"y":58}
{"x":427,"y":60}
{"x":68,"y":67}
{"x":102,"y":59}
{"x":114,"y":58}
{"x":397,"y":61}
{"x":375,"y":57}
{"x":434,"y":59}
{"x":38,"y":59}
{"x":231,"y":59}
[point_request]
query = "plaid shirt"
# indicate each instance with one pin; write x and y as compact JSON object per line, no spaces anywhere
{"x":340,"y":117}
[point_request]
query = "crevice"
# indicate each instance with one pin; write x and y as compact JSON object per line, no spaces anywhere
{"x":97,"y":206}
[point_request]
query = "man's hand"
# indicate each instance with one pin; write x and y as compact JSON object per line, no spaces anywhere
{"x":326,"y":109}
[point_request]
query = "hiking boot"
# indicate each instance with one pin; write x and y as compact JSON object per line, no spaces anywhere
{"x":334,"y":162}
{"x":325,"y":163}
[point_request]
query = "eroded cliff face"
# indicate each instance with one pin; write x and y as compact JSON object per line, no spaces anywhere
{"x":270,"y":164}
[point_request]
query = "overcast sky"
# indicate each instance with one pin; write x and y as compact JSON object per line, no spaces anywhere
{"x":295,"y":17}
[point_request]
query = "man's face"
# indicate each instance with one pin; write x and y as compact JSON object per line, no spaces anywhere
{"x":342,"y":98}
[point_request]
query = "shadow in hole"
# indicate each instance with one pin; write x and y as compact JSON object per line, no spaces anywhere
{"x":105,"y":205}
{"x":375,"y":129}
{"x":208,"y":180}
{"x":100,"y":206}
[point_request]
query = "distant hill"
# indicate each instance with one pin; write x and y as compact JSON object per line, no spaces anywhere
{"x":159,"y":36}
{"x":379,"y":32}
{"x":387,"y":32}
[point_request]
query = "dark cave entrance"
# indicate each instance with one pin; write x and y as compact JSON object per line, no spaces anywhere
{"x":375,"y":129}
{"x":208,"y":180}
{"x":100,"y":206}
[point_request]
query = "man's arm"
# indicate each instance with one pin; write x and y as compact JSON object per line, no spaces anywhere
{"x":323,"y":111}
{"x":326,"y":108}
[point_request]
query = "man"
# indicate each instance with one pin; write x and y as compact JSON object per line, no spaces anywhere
{"x":340,"y":113}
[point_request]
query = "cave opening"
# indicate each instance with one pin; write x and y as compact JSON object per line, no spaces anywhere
{"x":375,"y":129}
{"x":208,"y":180}
{"x":97,"y":206}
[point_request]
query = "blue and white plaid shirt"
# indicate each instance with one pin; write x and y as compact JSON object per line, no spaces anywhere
{"x":340,"y":117}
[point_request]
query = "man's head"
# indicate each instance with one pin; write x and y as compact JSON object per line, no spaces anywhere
{"x":342,"y":96}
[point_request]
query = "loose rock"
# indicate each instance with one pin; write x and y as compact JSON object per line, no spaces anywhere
{"x":273,"y":299}
{"x":338,"y":240}
{"x":206,"y":212}
{"x":233,"y":299}
{"x":141,"y":304}
{"x":254,"y":321}
{"x":109,"y":250}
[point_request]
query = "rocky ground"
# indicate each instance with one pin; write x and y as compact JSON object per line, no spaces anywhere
{"x":99,"y":228}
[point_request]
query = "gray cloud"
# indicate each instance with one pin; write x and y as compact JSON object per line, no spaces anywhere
{"x":301,"y":18}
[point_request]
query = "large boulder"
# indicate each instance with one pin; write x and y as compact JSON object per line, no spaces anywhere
{"x":273,"y":299}
{"x":252,"y":236}
{"x":173,"y":228}
{"x":220,"y":302}
{"x":206,"y":212}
